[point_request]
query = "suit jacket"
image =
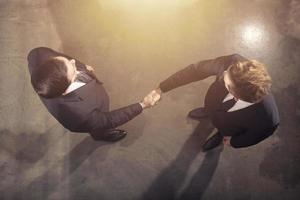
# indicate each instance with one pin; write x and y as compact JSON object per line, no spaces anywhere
{"x":247,"y":126}
{"x":85,"y":109}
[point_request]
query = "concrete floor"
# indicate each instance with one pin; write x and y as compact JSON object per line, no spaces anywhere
{"x":132,"y":48}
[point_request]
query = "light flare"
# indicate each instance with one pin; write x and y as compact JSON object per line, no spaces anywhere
{"x":253,"y":35}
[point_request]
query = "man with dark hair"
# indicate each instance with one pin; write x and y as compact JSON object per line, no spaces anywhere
{"x":76,"y":98}
{"x":239,"y":102}
{"x":52,"y":78}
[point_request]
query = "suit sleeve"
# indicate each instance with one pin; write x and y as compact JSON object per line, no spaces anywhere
{"x":106,"y":120}
{"x":251,"y":137}
{"x":197,"y":72}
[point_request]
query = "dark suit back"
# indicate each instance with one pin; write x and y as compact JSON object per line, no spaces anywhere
{"x":74,"y":108}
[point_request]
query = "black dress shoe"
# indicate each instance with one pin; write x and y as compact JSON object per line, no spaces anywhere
{"x":213,"y":142}
{"x":112,"y":135}
{"x":198,"y":113}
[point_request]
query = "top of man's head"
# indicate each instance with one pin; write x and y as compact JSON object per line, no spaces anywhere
{"x":50,"y":79}
{"x":251,"y":80}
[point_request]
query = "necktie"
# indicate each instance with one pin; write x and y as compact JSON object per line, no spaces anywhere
{"x":227,"y":105}
{"x":83,"y":77}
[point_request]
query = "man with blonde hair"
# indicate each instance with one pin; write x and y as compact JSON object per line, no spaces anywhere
{"x":239,"y":102}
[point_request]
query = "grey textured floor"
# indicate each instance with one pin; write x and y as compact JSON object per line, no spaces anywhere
{"x":133,"y":47}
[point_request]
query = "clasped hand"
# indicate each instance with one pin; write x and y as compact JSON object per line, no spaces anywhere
{"x":152,"y":98}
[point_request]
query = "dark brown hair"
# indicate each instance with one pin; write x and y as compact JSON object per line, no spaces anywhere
{"x":50,"y":79}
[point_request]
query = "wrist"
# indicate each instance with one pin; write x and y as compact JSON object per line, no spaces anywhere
{"x":143,"y":105}
{"x":158,"y":90}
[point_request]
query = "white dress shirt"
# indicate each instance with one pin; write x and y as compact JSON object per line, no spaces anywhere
{"x":74,"y":85}
{"x":240,"y":104}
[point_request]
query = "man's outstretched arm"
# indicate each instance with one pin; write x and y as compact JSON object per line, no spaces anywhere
{"x":198,"y":71}
{"x":98,"y":119}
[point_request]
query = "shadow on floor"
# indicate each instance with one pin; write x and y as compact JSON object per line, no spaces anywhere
{"x":281,"y":162}
{"x":202,"y":177}
{"x":170,"y":180}
{"x":42,"y":186}
{"x":135,"y":130}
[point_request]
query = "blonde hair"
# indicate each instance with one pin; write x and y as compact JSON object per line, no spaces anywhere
{"x":251,"y":80}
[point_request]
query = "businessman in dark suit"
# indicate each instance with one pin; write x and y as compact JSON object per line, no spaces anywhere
{"x":76,"y":98}
{"x":239,"y":102}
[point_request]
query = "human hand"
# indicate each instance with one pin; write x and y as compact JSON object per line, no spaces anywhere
{"x":147,"y":101}
{"x":156,"y":94}
{"x":89,"y":68}
{"x":151,"y":99}
{"x":226,"y":140}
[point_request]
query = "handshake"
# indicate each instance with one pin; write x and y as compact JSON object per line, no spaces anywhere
{"x":152,"y":98}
